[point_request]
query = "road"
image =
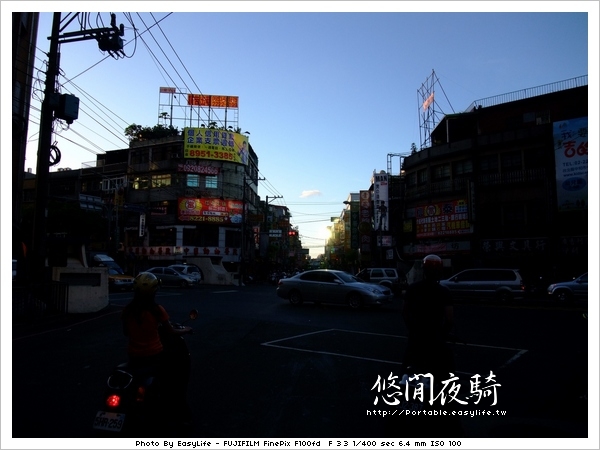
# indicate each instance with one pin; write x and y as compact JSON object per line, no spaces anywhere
{"x":264,"y":368}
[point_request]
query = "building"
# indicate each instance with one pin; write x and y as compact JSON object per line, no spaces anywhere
{"x":24,"y":37}
{"x":503,"y":184}
{"x":162,"y":207}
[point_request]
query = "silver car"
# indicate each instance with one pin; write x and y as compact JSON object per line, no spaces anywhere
{"x":188,"y":269}
{"x":481,"y":284}
{"x":570,"y":290}
{"x":170,"y":277}
{"x":332,"y":286}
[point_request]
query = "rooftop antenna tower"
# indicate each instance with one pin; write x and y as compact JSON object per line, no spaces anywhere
{"x":430,"y":112}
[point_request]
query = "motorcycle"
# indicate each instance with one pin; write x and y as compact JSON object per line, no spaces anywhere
{"x":136,"y":399}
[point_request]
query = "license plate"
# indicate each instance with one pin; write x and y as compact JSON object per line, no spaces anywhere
{"x":108,"y":421}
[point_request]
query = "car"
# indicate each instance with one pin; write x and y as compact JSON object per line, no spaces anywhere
{"x":482,"y":284}
{"x":188,"y":269}
{"x":332,"y":286}
{"x":170,"y":277}
{"x":118,"y":281}
{"x":570,"y":290}
{"x":385,"y":276}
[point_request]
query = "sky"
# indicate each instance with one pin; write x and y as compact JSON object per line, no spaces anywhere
{"x":325,"y":96}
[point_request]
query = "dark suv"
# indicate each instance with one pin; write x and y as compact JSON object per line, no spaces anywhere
{"x":499,"y":284}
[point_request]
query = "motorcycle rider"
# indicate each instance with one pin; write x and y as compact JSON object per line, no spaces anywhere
{"x":142,"y":318}
{"x":428,"y":314}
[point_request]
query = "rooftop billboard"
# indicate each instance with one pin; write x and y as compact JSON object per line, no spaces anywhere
{"x":215,"y":144}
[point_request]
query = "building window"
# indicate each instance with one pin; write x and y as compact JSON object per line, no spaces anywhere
{"x":463,"y":167}
{"x":111,"y":184}
{"x":140,"y":183}
{"x":411,"y":179}
{"x":192,"y":180}
{"x":422,"y":176}
{"x":441,"y":172}
{"x":211,"y":182}
{"x":511,"y":161}
{"x":489,"y":164}
{"x":139,"y":156}
{"x":514,"y":215}
{"x":233,"y":238}
{"x":161,"y":180}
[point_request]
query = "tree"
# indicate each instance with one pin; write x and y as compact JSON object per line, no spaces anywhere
{"x":137,"y":133}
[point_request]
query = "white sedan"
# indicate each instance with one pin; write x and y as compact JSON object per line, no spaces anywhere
{"x":332,"y":286}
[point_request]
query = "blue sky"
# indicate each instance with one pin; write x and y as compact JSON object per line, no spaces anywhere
{"x":325,"y":96}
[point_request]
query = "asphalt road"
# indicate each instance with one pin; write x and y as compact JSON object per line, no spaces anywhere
{"x":264,"y":368}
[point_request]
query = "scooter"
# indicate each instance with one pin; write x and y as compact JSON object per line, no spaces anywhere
{"x":137,"y":401}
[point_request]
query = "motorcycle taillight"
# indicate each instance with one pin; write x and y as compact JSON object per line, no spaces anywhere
{"x":113,"y":401}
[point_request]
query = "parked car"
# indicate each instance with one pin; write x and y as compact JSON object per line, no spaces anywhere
{"x":188,"y":269}
{"x":498,"y":284}
{"x":570,"y":290}
{"x":118,"y":281}
{"x":332,"y":286}
{"x":170,"y":277}
{"x":385,"y":276}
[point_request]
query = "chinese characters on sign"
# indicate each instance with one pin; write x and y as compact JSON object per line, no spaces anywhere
{"x":443,"y":219}
{"x":420,"y":387}
{"x":571,"y":159}
{"x":211,"y":143}
{"x":380,"y":198}
{"x":210,"y":210}
{"x":538,"y":245}
{"x":213,"y":101}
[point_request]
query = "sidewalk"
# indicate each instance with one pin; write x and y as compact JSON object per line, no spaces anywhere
{"x":37,"y":325}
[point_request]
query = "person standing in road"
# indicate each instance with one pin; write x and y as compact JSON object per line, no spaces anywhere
{"x":429,"y":316}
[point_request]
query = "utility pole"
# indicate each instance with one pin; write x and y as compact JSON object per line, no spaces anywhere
{"x":62,"y":107}
{"x":267,"y":214}
{"x":242,"y":251}
{"x":43,"y":157}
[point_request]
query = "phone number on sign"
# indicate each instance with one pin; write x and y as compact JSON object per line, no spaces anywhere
{"x":210,"y":154}
{"x":203,"y":219}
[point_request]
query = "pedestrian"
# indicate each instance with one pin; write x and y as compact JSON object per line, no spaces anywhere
{"x":429,"y":316}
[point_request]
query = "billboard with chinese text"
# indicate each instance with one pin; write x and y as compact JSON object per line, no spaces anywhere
{"x":380,"y":200}
{"x":209,"y":210}
{"x":365,"y":222}
{"x":213,"y":101}
{"x":215,"y":144}
{"x":571,"y":163}
{"x":443,"y":219}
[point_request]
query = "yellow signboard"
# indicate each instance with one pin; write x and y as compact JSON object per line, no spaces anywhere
{"x":215,"y":144}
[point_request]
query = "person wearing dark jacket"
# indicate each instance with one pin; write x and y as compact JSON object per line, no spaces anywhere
{"x":429,"y":315}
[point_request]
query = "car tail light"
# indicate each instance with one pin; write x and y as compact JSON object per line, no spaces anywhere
{"x":113,"y":401}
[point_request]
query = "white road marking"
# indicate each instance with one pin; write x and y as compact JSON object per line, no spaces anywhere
{"x":518,"y":354}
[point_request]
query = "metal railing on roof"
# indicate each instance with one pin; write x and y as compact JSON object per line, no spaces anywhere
{"x":530,"y":92}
